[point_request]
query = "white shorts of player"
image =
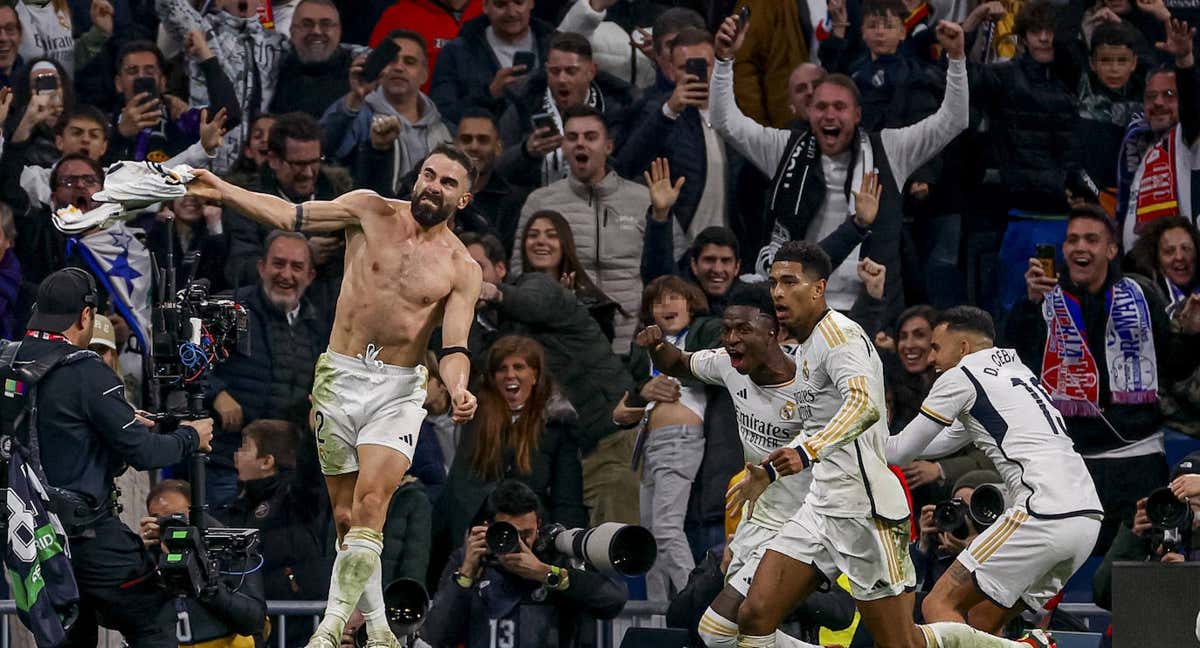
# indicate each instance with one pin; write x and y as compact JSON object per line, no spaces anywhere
{"x":364,"y":402}
{"x":746,"y":549}
{"x":1021,"y":557}
{"x":872,"y":553}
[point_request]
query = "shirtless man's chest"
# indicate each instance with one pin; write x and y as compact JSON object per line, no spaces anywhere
{"x":394,"y":288}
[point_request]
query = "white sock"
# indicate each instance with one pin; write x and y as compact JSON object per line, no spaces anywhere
{"x":784,"y":640}
{"x":756,"y":641}
{"x":352,"y":570}
{"x":959,"y":635}
{"x":372,"y":607}
{"x":717,"y":631}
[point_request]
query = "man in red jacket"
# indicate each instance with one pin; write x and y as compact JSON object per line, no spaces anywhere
{"x":437,"y":20}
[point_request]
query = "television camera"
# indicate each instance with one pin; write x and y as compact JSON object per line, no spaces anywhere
{"x":192,"y":332}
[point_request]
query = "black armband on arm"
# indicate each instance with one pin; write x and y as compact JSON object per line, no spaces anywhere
{"x":449,"y":351}
{"x":299,"y":218}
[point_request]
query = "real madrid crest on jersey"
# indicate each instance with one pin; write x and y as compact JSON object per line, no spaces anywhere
{"x":804,"y":368}
{"x":787,"y":411}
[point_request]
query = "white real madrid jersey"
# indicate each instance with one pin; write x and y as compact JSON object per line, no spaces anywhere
{"x":1004,"y":410}
{"x":844,"y":413}
{"x":767,"y":420}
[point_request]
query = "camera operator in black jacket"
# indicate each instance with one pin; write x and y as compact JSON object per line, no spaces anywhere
{"x":87,"y":433}
{"x":516,"y":597}
{"x":236,"y":606}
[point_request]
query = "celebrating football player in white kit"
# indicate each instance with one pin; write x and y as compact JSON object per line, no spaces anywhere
{"x":855,"y":519}
{"x":761,"y":378}
{"x":1027,"y":555}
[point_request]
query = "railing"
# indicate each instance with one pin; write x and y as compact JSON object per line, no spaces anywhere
{"x":637,"y":614}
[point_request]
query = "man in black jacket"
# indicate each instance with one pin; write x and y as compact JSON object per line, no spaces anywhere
{"x":516,"y":597}
{"x":87,"y":433}
{"x":1104,"y":343}
{"x":478,"y":67}
{"x":316,"y":72}
{"x":675,"y":125}
{"x":533,"y":155}
{"x":287,"y":333}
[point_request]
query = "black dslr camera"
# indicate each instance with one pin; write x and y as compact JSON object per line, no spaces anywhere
{"x":987,"y":505}
{"x":1170,"y":520}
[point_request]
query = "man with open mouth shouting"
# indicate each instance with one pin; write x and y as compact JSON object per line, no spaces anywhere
{"x":818,"y":167}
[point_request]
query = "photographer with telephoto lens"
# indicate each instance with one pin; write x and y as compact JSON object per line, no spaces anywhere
{"x":948,"y":527}
{"x":511,"y":583}
{"x":1163,"y":530}
{"x":86,"y":433}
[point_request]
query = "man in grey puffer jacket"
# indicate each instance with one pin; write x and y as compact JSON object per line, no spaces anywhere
{"x":389,"y":125}
{"x":607,"y":215}
{"x":250,"y":56}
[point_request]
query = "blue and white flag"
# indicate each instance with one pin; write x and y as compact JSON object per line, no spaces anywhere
{"x":122,"y":265}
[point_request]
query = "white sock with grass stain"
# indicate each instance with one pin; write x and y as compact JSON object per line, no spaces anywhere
{"x":352,"y":570}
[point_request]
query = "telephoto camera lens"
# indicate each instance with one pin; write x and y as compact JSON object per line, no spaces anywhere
{"x":612,"y":547}
{"x":502,"y":538}
{"x":987,"y":505}
{"x":405,"y":602}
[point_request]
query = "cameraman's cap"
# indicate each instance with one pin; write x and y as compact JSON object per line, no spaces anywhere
{"x":1189,"y":465}
{"x":977,"y":478}
{"x":60,"y":298}
{"x":103,"y":334}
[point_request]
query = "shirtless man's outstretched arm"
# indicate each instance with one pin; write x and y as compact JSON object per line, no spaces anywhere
{"x":455,"y":367}
{"x":277,"y":213}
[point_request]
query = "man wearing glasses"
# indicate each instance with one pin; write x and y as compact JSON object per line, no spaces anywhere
{"x":41,"y":248}
{"x":296,"y":172}
{"x":316,"y":72}
{"x":1161,"y":184}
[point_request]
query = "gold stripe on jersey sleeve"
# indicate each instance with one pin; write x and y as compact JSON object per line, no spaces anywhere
{"x":825,"y":334}
{"x":935,"y":416}
{"x":833,"y":334}
{"x":835,"y":330}
{"x":854,"y":407}
{"x":847,"y":414}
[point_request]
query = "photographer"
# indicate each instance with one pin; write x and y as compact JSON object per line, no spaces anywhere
{"x":937,"y":548}
{"x":87,"y":433}
{"x":1149,"y":540}
{"x":234,"y":606}
{"x":532,"y":600}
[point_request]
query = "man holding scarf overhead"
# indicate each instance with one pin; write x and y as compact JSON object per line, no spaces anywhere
{"x":1104,"y":345}
{"x":818,"y":167}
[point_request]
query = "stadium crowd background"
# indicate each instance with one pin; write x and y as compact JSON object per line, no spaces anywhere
{"x":614,"y":192}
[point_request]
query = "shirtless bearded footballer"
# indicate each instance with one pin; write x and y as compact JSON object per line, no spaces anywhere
{"x":405,"y":273}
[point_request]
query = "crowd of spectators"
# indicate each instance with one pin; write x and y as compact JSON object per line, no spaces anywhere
{"x":638,"y":159}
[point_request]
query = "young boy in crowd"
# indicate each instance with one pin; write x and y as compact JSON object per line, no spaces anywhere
{"x":1110,"y":94}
